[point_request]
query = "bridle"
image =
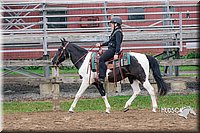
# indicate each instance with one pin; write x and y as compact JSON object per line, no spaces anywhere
{"x":62,"y":52}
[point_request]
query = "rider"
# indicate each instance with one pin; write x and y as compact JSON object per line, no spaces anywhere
{"x":114,"y":45}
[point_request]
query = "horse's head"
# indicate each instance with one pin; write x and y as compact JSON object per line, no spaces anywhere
{"x":61,"y":54}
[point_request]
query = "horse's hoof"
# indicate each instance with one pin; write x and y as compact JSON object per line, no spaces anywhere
{"x":107,"y":112}
{"x":126,"y":109}
{"x":70,"y":111}
{"x":154,"y":110}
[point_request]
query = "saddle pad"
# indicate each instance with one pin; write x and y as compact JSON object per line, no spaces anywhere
{"x":126,"y":59}
{"x":93,"y":61}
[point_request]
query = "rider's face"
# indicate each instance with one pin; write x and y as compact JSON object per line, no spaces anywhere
{"x":112,"y":25}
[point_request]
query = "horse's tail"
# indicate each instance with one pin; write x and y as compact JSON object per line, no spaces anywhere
{"x":154,"y":66}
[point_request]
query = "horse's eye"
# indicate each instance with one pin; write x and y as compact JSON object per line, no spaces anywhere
{"x":59,"y":49}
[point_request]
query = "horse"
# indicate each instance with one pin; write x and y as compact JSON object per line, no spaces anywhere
{"x":137,"y":73}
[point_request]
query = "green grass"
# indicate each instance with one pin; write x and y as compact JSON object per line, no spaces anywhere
{"x":185,"y":68}
{"x":67,"y":71}
{"x":190,"y":75}
{"x":13,"y":107}
{"x":38,"y":71}
{"x":41,"y":71}
{"x":116,"y":102}
{"x":189,"y":68}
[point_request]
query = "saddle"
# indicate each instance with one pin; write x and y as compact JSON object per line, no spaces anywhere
{"x":123,"y":60}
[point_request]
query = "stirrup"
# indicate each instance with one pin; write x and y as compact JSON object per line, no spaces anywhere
{"x":101,"y":81}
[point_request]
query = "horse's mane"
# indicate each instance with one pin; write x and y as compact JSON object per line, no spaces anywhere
{"x":78,"y":48}
{"x":77,"y":54}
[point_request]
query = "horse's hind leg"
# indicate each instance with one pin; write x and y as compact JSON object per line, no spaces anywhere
{"x":136,"y":91}
{"x":83,"y":87}
{"x":150,"y":89}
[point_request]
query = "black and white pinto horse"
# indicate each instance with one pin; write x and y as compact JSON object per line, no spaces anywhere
{"x":137,"y":73}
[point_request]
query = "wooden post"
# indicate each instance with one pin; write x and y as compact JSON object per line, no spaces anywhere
{"x":55,"y":72}
{"x":55,"y":96}
{"x":176,"y":68}
{"x":56,"y":88}
{"x":51,"y":88}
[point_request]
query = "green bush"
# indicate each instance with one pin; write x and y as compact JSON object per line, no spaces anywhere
{"x":191,"y":55}
{"x":33,"y":68}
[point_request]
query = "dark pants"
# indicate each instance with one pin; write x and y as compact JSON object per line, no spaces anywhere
{"x":108,"y":54}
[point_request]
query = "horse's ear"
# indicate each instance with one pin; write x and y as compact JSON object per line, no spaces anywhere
{"x":64,"y":39}
{"x":63,"y":42}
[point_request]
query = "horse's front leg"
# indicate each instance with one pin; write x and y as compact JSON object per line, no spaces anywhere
{"x":107,"y":104}
{"x":83,"y":87}
{"x":101,"y":89}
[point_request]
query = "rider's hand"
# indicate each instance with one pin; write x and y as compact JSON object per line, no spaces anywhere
{"x":116,"y":57}
{"x":98,"y":44}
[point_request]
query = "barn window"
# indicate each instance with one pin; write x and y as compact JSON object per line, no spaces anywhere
{"x":90,"y":25}
{"x":136,"y":10}
{"x":56,"y":19}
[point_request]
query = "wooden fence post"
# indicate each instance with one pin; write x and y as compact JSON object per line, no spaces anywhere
{"x":51,"y":88}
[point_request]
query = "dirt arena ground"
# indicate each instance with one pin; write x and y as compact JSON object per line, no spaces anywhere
{"x":133,"y":120}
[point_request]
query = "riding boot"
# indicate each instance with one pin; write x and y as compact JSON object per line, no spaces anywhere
{"x":101,"y":83}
